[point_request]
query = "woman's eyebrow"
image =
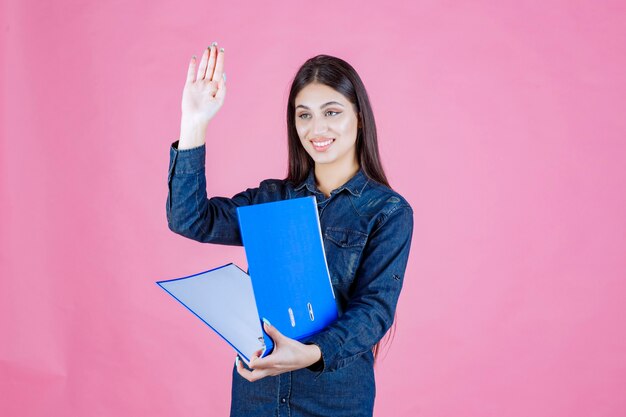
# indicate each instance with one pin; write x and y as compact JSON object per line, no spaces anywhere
{"x":322,"y":106}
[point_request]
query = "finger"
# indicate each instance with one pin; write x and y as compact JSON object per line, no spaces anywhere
{"x":219,"y":66}
{"x":257,"y":362}
{"x":254,"y":358}
{"x":239,"y":364}
{"x":241,"y":370}
{"x":255,"y":375}
{"x":250,"y":375}
{"x":264,"y":363}
{"x":203,"y":65}
{"x":211,"y":67}
{"x":272,"y":332}
{"x":191,"y":70}
{"x":221,"y":88}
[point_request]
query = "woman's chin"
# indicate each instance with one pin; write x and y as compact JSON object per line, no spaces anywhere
{"x":323,"y":160}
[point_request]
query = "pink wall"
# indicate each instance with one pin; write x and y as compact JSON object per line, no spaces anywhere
{"x":501,"y":122}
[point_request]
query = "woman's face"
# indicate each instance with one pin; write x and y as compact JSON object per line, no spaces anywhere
{"x":327,"y":125}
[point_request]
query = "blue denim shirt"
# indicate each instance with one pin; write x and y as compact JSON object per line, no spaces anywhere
{"x":366,"y":229}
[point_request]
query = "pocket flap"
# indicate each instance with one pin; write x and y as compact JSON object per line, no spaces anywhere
{"x":345,"y":237}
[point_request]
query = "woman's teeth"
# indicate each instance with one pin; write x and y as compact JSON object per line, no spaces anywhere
{"x":321,"y":144}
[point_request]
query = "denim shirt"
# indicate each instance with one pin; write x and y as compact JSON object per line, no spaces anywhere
{"x":366,"y":229}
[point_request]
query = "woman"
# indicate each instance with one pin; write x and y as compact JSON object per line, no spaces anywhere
{"x":366,"y":226}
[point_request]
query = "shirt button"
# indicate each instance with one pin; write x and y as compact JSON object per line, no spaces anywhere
{"x":282,"y":400}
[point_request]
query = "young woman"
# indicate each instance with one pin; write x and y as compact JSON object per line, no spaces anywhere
{"x":366,"y":226}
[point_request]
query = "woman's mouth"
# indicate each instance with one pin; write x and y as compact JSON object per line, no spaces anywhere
{"x":322,"y":145}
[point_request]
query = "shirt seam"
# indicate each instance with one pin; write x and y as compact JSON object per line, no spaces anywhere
{"x":388,"y":215}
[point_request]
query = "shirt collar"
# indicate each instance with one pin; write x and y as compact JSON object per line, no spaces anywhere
{"x":354,"y":185}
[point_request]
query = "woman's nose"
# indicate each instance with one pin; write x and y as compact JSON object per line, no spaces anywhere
{"x":319,"y":126}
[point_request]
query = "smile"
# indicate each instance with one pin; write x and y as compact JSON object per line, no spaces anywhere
{"x":322,"y":145}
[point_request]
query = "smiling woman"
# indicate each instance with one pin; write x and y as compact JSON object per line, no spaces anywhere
{"x":329,"y":133}
{"x":367,"y":229}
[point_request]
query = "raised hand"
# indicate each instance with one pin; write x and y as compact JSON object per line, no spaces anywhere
{"x":203,"y":95}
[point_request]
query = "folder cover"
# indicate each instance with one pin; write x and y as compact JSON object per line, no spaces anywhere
{"x":287,"y":265}
{"x":288,"y":282}
{"x":223,"y":299}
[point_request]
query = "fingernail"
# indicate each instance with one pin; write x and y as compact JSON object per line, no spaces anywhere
{"x":224,"y":75}
{"x":221,"y":49}
{"x":266,"y":321}
{"x":237,"y":361}
{"x":214,"y":43}
{"x":194,"y":57}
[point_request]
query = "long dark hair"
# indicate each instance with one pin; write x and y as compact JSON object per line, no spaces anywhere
{"x":339,"y":75}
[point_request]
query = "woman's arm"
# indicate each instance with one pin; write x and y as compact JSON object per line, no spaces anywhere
{"x":369,"y":313}
{"x":203,"y":95}
{"x":378,"y":281}
{"x":189,"y":212}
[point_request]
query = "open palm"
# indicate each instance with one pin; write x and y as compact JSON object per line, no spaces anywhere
{"x":205,"y":86}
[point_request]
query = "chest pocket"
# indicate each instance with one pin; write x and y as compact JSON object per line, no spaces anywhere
{"x":343,"y":251}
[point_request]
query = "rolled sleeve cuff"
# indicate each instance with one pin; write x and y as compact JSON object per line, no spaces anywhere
{"x":186,"y":161}
{"x":328,"y":346}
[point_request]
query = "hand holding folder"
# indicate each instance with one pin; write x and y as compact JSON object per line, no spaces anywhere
{"x":288,"y":282}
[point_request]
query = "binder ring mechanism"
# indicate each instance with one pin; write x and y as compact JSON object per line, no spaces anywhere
{"x":292,"y":318}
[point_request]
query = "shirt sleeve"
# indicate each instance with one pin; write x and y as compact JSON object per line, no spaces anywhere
{"x":189,"y":212}
{"x":371,"y":309}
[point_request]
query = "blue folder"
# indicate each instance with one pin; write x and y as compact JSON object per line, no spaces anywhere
{"x":287,"y":265}
{"x":288,"y":282}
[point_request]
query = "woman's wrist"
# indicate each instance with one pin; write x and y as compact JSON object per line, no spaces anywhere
{"x":314,"y":356}
{"x":192,"y":134}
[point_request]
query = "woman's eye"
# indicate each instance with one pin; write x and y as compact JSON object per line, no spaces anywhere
{"x":307,"y":114}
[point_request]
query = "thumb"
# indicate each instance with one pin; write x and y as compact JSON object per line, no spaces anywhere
{"x":272,"y":331}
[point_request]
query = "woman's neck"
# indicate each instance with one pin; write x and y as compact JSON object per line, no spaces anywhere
{"x":329,"y":177}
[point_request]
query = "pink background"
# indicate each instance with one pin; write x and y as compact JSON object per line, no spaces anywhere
{"x":501,"y":122}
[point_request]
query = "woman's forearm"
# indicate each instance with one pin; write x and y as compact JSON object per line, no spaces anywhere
{"x":192,"y":134}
